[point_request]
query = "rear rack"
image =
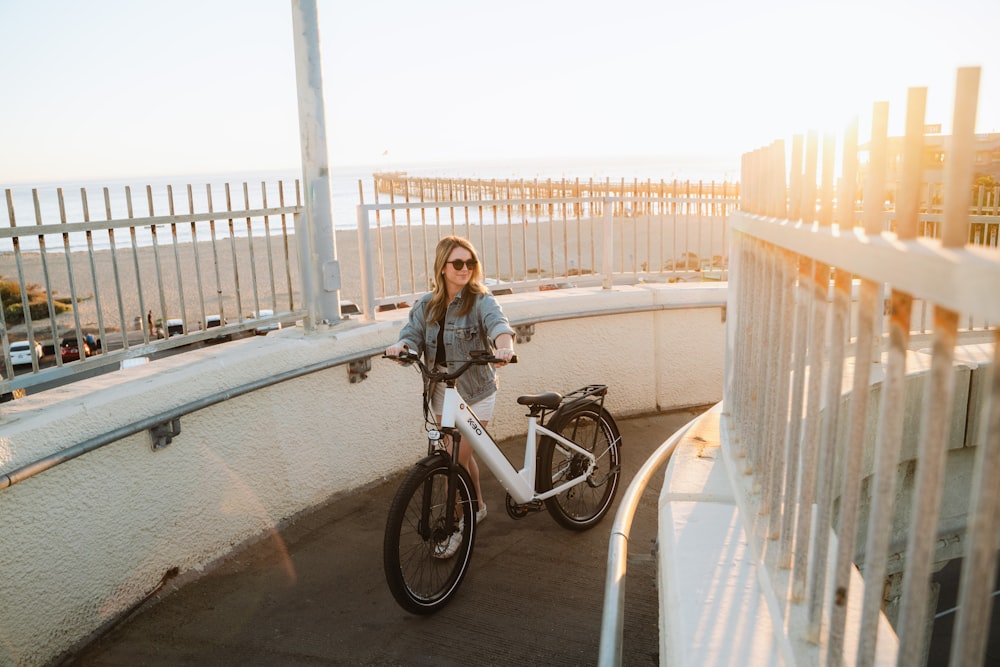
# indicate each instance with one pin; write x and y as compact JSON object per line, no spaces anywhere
{"x":584,"y":392}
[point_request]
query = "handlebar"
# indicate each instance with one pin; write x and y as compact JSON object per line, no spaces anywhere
{"x":477,"y":358}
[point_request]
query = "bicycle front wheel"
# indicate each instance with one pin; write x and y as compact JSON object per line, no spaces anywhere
{"x":425,"y":562}
{"x":581,"y":506}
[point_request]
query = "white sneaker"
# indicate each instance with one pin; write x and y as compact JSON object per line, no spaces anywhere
{"x":481,"y":514}
{"x":449,"y":547}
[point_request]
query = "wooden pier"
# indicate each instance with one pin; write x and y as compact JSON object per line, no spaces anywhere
{"x":631,"y":196}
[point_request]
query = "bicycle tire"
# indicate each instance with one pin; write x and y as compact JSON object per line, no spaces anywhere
{"x":584,"y":505}
{"x":420,"y":581}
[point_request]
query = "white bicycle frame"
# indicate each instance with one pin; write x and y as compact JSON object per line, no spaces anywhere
{"x":520,"y":484}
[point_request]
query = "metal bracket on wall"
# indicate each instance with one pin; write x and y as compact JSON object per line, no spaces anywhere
{"x":163,"y":434}
{"x":524,"y":332}
{"x":358,"y":371}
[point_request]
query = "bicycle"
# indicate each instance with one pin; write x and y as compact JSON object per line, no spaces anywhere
{"x":571,"y":468}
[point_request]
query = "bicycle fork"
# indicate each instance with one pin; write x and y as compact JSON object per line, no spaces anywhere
{"x":426,"y":527}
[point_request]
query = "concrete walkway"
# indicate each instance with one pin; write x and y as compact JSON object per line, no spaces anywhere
{"x":314,"y":594}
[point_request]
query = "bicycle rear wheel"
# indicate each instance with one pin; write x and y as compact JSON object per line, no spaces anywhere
{"x":591,"y":427}
{"x":425,"y":563}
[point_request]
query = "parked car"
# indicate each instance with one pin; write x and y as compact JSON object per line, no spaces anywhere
{"x":174,"y":327}
{"x":20,"y":352}
{"x":69,"y":351}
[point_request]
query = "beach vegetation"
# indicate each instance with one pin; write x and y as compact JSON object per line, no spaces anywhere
{"x":38,"y":303}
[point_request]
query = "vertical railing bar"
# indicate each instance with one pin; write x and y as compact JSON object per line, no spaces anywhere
{"x":819,"y":283}
{"x":700,"y":224}
{"x":755,"y":452}
{"x":887,"y":449}
{"x":395,"y":238}
{"x":477,"y":184}
{"x":69,"y":275}
{"x":197,"y":259}
{"x":891,"y":413}
{"x":932,"y":452}
{"x":711,"y":225}
{"x":101,"y":331}
{"x":378,"y":244}
{"x":284,"y":240}
{"x":933,"y":443}
{"x":972,"y":623}
{"x":177,"y":262}
{"x":786,"y":322}
{"x":552,"y":237}
{"x":118,"y":282}
{"x":875,"y":190}
{"x":849,"y":466}
{"x":850,"y":495}
{"x":233,"y":253}
{"x":269,"y":248}
{"x":835,"y":342}
{"x":809,"y":179}
{"x":769,"y":378}
{"x":428,"y":266}
{"x":496,"y":228}
{"x":833,"y":362}
{"x":43,"y":255}
{"x":4,"y":339}
{"x":215,"y":254}
{"x":577,"y":212}
{"x":793,"y":432}
{"x":795,"y":179}
{"x":735,"y":346}
{"x":745,"y":344}
{"x":409,"y":240}
{"x":138,"y":271}
{"x":156,"y":260}
{"x":734,"y":359}
{"x":253,"y":260}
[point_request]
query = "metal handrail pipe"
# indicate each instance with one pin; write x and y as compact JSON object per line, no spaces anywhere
{"x":45,"y":463}
{"x":31,"y":469}
{"x":612,"y":616}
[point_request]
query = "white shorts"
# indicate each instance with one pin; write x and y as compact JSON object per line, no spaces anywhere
{"x":482,"y":409}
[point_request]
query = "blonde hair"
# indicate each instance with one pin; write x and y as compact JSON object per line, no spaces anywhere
{"x":438,"y":304}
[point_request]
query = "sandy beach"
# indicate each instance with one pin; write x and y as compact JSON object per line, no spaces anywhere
{"x":228,"y":277}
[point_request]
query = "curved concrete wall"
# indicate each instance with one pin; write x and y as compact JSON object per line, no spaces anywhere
{"x":88,"y":539}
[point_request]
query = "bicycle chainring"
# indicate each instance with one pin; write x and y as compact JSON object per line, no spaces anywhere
{"x":519,"y":511}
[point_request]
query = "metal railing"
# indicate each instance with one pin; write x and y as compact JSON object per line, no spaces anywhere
{"x":544,"y":243}
{"x":612,"y":614}
{"x":127,"y":286}
{"x":791,"y":357}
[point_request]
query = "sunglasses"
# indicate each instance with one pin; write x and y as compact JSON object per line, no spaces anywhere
{"x":459,"y":264}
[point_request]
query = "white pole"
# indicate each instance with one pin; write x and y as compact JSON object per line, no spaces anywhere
{"x":317,"y":242}
{"x":608,"y":233}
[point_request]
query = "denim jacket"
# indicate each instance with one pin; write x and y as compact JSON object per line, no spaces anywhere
{"x":477,"y":330}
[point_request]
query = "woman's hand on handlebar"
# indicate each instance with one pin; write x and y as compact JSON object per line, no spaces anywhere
{"x":504,"y":356}
{"x":398,"y":352}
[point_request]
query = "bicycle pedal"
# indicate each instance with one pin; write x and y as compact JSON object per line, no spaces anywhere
{"x":519,"y":511}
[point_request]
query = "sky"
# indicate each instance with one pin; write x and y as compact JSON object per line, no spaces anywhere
{"x":118,"y":88}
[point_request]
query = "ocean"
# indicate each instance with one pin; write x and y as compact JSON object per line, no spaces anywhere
{"x":151,"y":195}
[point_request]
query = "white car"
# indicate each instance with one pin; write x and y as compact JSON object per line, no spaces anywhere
{"x":20,"y":352}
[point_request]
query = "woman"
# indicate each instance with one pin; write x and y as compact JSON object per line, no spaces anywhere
{"x":457,"y":316}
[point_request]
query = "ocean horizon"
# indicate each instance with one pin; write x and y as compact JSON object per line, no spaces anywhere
{"x":149,"y":194}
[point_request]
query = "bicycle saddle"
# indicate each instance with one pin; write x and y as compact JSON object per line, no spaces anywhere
{"x":547,"y":399}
